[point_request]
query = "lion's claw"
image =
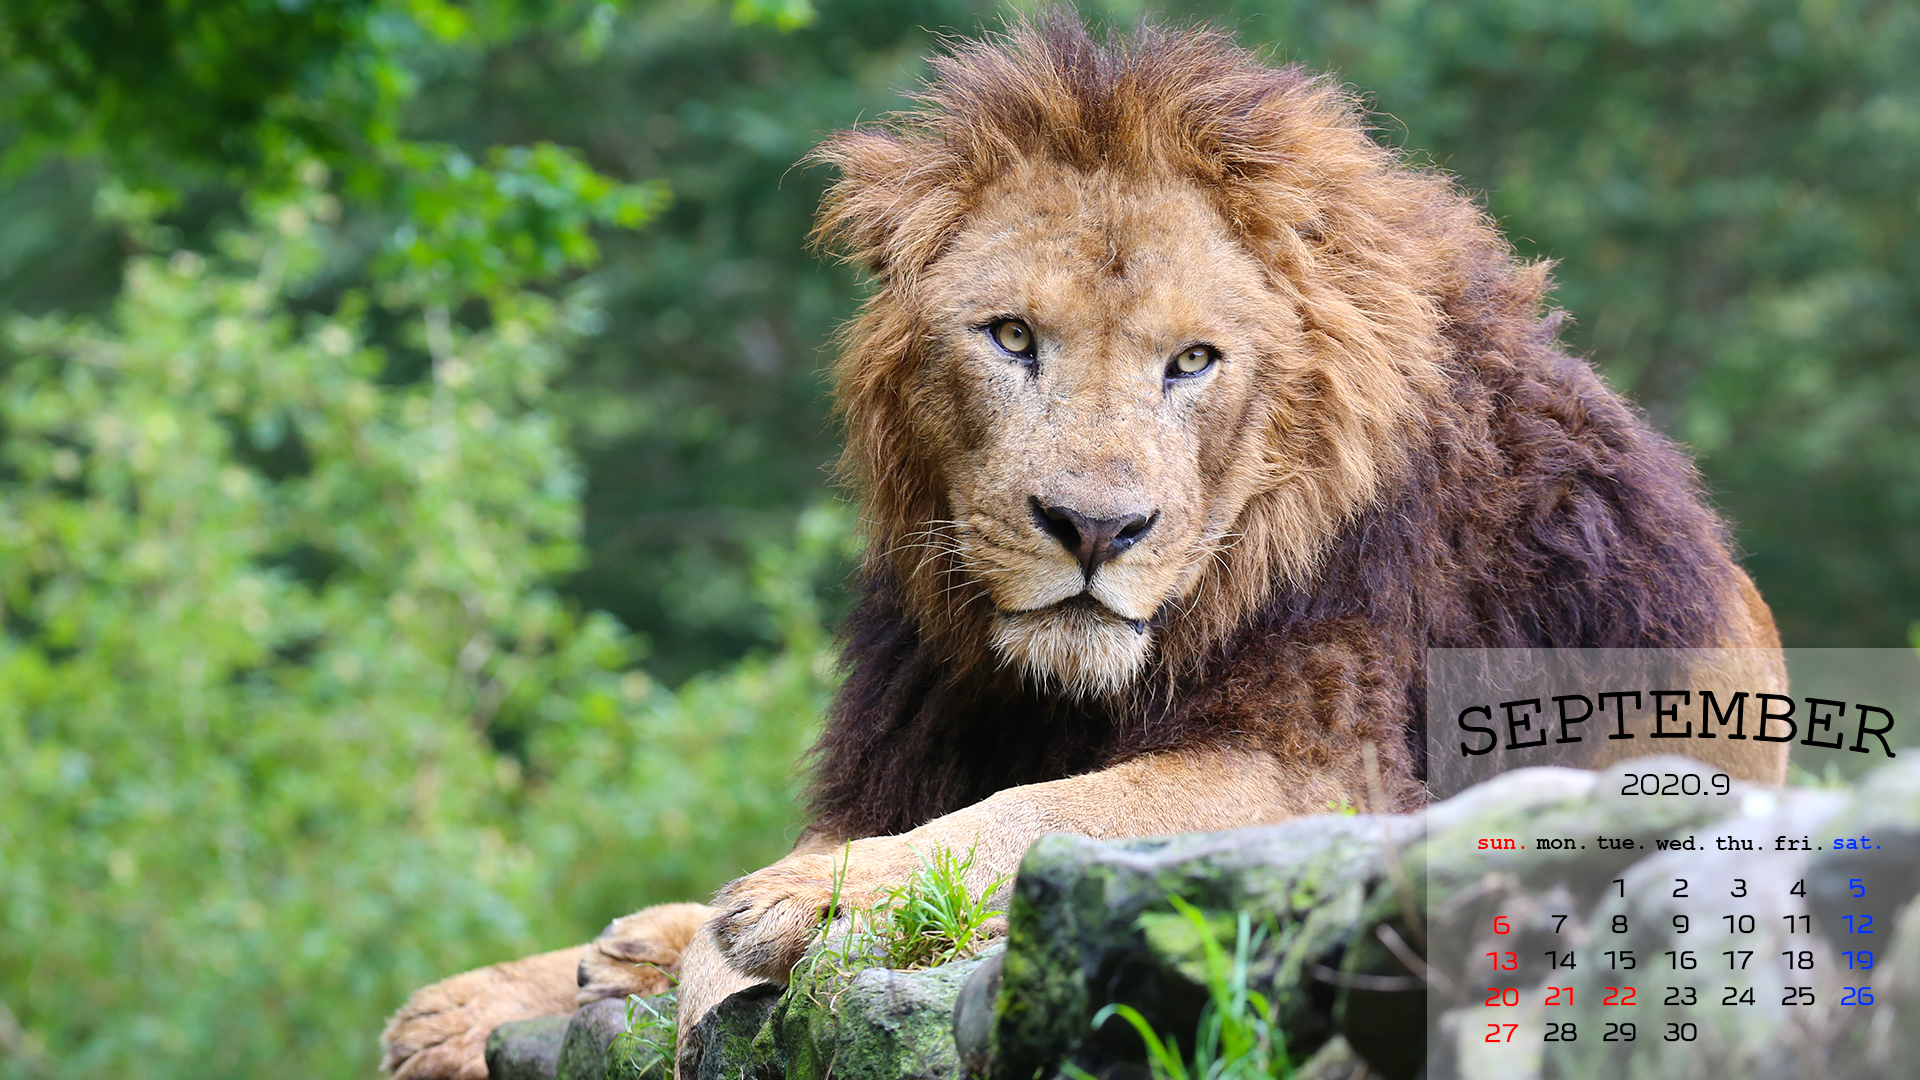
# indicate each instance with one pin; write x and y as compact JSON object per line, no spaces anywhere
{"x":766,"y":920}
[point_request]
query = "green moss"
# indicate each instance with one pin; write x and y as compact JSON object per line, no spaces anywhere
{"x":876,"y":1024}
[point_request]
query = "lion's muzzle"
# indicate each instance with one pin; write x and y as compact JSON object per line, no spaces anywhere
{"x":1091,"y":540}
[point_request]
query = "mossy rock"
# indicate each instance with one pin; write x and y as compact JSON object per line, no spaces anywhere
{"x":585,"y":1053}
{"x":526,"y":1049}
{"x":879,"y":1024}
{"x":1091,"y":924}
{"x":728,"y":1042}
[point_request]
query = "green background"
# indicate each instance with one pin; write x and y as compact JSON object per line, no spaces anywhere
{"x":415,"y":530}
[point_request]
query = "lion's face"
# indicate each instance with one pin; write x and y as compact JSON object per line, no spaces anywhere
{"x":1095,"y":353}
{"x":1148,"y":333}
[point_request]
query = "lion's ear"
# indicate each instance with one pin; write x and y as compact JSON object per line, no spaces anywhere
{"x":895,"y":204}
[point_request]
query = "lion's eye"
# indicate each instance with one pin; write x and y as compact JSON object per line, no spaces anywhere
{"x":1192,"y":361}
{"x":1013,"y":336}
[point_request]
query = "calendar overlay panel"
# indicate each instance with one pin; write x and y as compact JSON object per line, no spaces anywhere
{"x":1654,"y":914}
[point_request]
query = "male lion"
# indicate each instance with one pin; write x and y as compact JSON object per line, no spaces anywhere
{"x":1186,"y":417}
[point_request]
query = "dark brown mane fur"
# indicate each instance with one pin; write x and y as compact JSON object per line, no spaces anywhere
{"x":1527,"y":505}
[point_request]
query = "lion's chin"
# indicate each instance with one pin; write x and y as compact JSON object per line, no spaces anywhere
{"x":1082,"y":651}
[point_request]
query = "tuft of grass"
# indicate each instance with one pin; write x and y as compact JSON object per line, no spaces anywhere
{"x":1236,"y":1039}
{"x":931,"y":918}
{"x":651,"y":1037}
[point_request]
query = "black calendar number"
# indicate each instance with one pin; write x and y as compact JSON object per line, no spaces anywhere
{"x":1684,"y":959}
{"x":1562,"y":1033}
{"x":1623,"y":1032}
{"x":1624,"y":959}
{"x":1735,"y":997}
{"x":1744,"y":955}
{"x":1619,"y":924}
{"x":1742,"y":924}
{"x":1798,"y":995}
{"x":1674,"y":784}
{"x":1741,"y":891}
{"x":1682,"y":995}
{"x":1681,"y":1033}
{"x":1799,"y":961}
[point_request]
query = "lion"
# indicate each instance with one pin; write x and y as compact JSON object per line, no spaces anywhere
{"x":1185,"y":416}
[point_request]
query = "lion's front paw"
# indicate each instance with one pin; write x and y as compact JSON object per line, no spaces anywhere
{"x":766,"y":920}
{"x":638,"y":953}
{"x":441,"y":1032}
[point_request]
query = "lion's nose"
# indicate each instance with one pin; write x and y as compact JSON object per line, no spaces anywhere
{"x":1092,"y":540}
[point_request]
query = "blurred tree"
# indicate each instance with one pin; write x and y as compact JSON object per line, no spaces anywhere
{"x":286,"y":689}
{"x":292,"y":724}
{"x":163,"y":87}
{"x":259,"y":609}
{"x":178,"y":96}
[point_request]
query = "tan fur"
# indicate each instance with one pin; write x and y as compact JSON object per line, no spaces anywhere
{"x":639,"y":953}
{"x":441,"y":1032}
{"x":706,"y":979}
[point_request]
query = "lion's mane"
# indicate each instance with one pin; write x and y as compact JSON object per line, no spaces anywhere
{"x":1471,"y":485}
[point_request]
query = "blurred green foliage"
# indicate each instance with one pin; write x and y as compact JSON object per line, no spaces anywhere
{"x":293,"y":722}
{"x":414,"y":539}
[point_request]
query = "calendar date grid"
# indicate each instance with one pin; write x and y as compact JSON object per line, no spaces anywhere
{"x":1715,"y":951}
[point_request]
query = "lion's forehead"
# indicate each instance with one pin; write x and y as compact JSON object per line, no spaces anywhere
{"x":1101,"y":256}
